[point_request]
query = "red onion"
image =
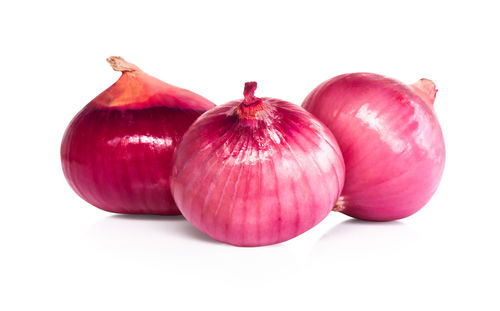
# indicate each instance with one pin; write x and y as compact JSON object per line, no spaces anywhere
{"x":256,"y":171}
{"x":117,"y":151}
{"x":390,"y":139}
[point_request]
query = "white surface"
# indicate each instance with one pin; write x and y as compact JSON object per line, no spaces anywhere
{"x":59,"y":253}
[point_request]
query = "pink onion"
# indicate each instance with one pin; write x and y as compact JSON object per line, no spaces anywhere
{"x":390,"y":139}
{"x":256,"y":171}
{"x":117,"y":151}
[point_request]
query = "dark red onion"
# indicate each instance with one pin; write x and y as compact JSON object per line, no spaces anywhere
{"x":390,"y":139}
{"x":117,"y":151}
{"x":256,"y":171}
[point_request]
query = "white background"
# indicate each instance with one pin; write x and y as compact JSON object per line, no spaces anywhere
{"x":60,"y":253}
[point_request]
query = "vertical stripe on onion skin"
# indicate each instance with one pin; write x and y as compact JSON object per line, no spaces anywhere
{"x":391,"y":141}
{"x":256,"y":171}
{"x":117,"y":151}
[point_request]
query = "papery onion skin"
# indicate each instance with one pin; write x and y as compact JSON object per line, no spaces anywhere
{"x":391,"y":141}
{"x":117,"y":151}
{"x":257,"y":171}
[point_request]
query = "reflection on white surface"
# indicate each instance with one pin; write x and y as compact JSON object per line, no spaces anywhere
{"x":130,"y":228}
{"x":351,"y":238}
{"x":174,"y":237}
{"x":172,"y":241}
{"x":338,"y":259}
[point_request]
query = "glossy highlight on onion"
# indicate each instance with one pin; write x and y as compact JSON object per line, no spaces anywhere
{"x":117,"y":151}
{"x":256,"y":171}
{"x":391,"y":141}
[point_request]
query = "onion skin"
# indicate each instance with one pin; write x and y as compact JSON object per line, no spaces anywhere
{"x":117,"y":151}
{"x":391,"y":141}
{"x":257,"y":171}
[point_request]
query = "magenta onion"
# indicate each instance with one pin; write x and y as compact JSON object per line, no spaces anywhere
{"x":117,"y":151}
{"x":256,"y":171}
{"x":390,"y":139}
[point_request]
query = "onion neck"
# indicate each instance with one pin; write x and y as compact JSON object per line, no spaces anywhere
{"x":119,"y":64}
{"x":251,"y":107}
{"x":134,"y":86}
{"x":425,"y":89}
